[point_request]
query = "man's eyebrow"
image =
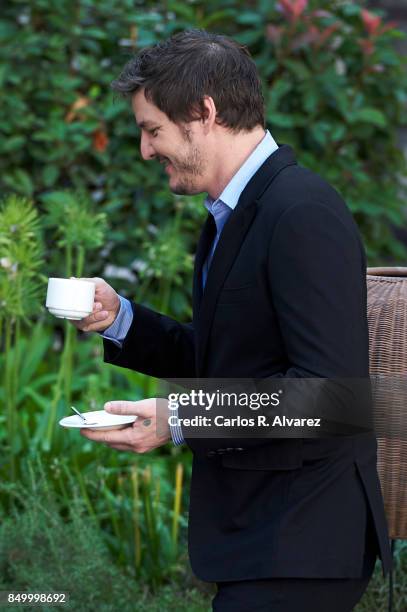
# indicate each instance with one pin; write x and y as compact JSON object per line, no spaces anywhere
{"x":146,"y":124}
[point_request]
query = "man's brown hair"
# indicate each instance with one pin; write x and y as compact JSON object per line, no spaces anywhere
{"x":177,"y":73}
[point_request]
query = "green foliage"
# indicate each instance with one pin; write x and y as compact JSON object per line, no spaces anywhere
{"x":50,"y":541}
{"x":376,"y":595}
{"x":335,"y":89}
{"x":77,"y":223}
{"x":21,"y":259}
{"x":51,"y":546}
{"x":130,"y":506}
{"x":41,"y":551}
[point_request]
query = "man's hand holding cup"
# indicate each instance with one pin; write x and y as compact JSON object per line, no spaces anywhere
{"x":106,"y":306}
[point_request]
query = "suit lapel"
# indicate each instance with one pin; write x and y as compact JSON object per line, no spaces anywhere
{"x":207,"y":236}
{"x":225,"y":254}
{"x":228,"y":246}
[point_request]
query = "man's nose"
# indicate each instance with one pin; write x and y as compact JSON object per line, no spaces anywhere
{"x":146,"y":148}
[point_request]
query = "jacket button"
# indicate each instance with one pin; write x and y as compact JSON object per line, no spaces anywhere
{"x":211,"y":453}
{"x":239,"y":448}
{"x":221,"y":451}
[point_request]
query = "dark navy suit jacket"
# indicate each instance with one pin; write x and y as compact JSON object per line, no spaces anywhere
{"x":285,"y":297}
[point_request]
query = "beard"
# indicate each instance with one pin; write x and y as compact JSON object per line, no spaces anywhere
{"x":187,"y":168}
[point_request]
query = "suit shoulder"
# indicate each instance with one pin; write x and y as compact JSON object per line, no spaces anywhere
{"x":303,"y":189}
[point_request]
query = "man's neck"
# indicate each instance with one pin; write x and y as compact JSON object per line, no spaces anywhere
{"x":233,"y":155}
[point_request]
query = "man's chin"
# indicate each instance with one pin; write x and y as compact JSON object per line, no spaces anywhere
{"x":180,"y":189}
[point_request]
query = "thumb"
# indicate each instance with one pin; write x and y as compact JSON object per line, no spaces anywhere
{"x":142,"y":408}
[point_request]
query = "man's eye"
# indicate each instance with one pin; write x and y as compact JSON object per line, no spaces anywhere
{"x":154,"y":132}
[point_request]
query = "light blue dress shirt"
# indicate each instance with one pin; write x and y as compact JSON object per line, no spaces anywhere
{"x":220,"y":208}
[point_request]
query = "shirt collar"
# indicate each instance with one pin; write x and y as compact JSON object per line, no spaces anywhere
{"x":231,"y":194}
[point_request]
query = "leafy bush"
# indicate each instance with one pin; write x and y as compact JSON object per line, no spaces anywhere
{"x":42,"y":552}
{"x":65,"y":524}
{"x":335,"y":89}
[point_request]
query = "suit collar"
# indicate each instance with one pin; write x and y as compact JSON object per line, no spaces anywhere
{"x":277,"y":161}
{"x":229,"y":244}
{"x":231,"y":193}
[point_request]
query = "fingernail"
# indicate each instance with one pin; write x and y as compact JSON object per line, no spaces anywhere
{"x":104,"y":313}
{"x":85,"y":329}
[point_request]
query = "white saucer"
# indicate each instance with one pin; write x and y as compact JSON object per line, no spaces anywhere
{"x":98,"y":419}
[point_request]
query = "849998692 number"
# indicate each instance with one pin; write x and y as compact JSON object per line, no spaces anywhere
{"x":21,"y":598}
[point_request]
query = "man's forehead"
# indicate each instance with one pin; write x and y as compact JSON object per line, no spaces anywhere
{"x":146,"y":113}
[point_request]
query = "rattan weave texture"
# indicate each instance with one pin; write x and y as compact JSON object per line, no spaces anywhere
{"x":387,"y":319}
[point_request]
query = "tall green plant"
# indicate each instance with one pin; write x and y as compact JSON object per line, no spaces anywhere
{"x":79,"y":230}
{"x":21,"y":288}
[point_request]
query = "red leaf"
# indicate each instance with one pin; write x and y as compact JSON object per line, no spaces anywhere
{"x":293,"y":8}
{"x":325,"y":34}
{"x":273,"y":33}
{"x":371,"y":21}
{"x":287,"y":8}
{"x":367,"y":46}
{"x":299,"y":7}
{"x":100,"y":141}
{"x":388,"y":26}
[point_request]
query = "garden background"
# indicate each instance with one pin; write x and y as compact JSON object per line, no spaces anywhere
{"x":76,"y":199}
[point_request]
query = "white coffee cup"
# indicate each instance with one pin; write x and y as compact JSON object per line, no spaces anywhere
{"x":70,"y":298}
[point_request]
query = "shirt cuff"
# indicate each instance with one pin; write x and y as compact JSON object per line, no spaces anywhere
{"x":175,"y":430}
{"x":121,"y":325}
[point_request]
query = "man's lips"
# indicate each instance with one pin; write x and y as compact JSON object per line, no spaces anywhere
{"x":167,"y":163}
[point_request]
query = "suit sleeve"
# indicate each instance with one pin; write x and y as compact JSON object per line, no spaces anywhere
{"x":155,"y":345}
{"x":316,"y":269}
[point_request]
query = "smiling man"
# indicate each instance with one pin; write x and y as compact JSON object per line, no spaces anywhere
{"x":281,"y":524}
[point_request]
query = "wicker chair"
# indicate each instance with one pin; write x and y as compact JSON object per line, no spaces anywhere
{"x":387,"y":318}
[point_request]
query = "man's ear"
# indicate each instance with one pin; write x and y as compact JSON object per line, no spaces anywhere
{"x":208,"y":113}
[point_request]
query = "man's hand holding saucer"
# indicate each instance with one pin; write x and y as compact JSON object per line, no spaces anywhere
{"x":150,"y":430}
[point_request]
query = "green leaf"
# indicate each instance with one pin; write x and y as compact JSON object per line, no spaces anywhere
{"x":12,"y":144}
{"x":96,"y":33}
{"x":285,"y":120}
{"x":350,"y":9}
{"x":20,"y":181}
{"x":278,"y":89}
{"x":50,"y":174}
{"x":3,"y":73}
{"x":299,"y":69}
{"x":182,"y":10}
{"x":217,"y":17}
{"x":249,"y":37}
{"x":368,"y":115}
{"x":337,"y":132}
{"x":249,"y":18}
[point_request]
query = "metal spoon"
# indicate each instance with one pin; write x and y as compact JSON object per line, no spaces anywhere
{"x":85,"y":422}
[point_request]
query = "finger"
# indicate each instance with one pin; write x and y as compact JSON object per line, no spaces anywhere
{"x":97,"y":312}
{"x":99,"y":282}
{"x":122,"y":447}
{"x":142,"y":408}
{"x":94,"y":279}
{"x":116,"y":436}
{"x":93,"y":321}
